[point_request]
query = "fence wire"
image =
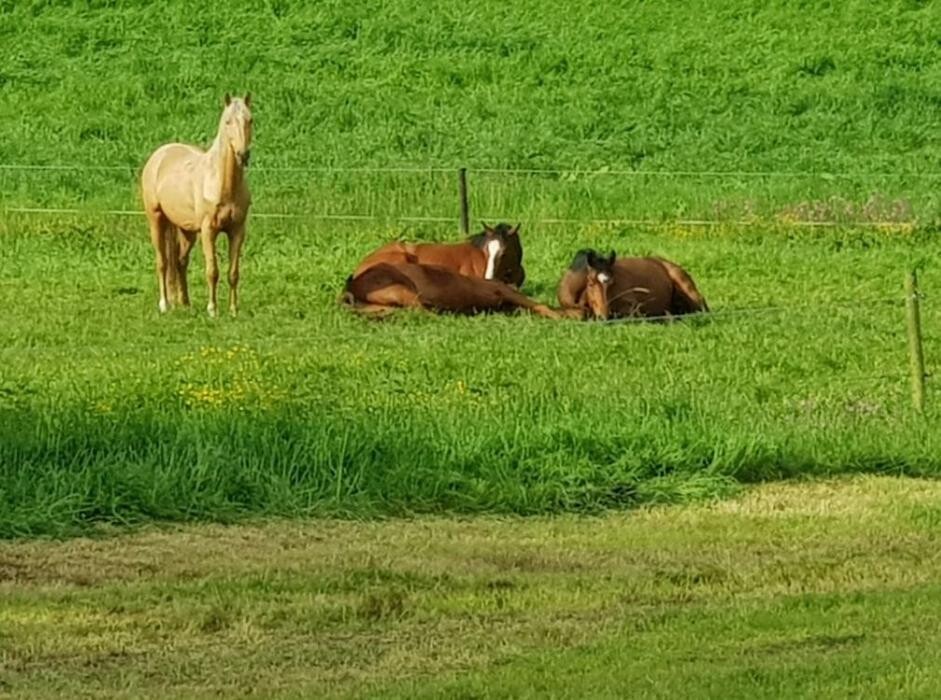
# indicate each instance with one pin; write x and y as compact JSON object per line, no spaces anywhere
{"x":706,"y":317}
{"x":570,"y":172}
{"x":560,"y":172}
{"x":557,"y":170}
{"x":647,"y":223}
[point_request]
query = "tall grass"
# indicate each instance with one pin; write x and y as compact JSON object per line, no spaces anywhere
{"x":110,"y":413}
{"x":730,"y":85}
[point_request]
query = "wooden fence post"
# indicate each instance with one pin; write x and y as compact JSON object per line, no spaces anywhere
{"x":465,"y":208}
{"x":916,"y":353}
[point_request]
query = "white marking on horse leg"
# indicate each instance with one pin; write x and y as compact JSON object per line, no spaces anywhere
{"x":211,"y":308}
{"x":493,"y":250}
{"x":163,"y":305}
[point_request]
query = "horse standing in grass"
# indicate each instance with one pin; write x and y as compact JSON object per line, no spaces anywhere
{"x":610,"y":287}
{"x":189,"y":192}
{"x":384,"y":286}
{"x":494,"y":254}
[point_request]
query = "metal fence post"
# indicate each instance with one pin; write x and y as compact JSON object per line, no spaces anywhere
{"x":916,"y":352}
{"x":465,"y":207}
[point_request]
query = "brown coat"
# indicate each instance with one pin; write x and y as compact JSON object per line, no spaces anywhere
{"x":639,"y":287}
{"x":384,"y":286}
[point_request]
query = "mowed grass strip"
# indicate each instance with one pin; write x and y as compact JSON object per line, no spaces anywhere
{"x":804,"y":589}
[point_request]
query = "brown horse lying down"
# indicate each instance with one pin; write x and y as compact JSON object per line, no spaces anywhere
{"x":383,"y":287}
{"x":606,"y":287}
{"x":493,"y":254}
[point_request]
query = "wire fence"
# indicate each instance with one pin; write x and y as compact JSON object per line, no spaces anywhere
{"x":647,"y":223}
{"x":572,"y":172}
{"x":707,"y":317}
{"x":870,"y":220}
{"x":790,"y":309}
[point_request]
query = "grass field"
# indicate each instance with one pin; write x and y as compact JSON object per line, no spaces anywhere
{"x":733,"y":85}
{"x":582,"y":512}
{"x":109,"y":414}
{"x":826,"y":590}
{"x":112,"y":414}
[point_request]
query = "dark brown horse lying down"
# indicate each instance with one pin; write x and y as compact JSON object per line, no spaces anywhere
{"x":494,"y":254}
{"x":609,"y":287}
{"x":382,"y":287}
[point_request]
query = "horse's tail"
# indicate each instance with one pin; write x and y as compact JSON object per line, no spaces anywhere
{"x":171,"y":249}
{"x":689,"y":296}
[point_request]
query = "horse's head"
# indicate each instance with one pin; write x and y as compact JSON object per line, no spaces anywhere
{"x":599,"y":272}
{"x":236,"y":126}
{"x":501,"y":244}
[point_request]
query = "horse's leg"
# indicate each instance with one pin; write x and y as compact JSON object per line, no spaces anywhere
{"x":158,"y":229}
{"x":571,"y":290}
{"x":686,"y":296}
{"x":381,"y":302}
{"x":510,"y":296}
{"x":187,"y":241}
{"x":236,"y":239}
{"x":348,"y":298}
{"x":546,"y":312}
{"x":207,"y":236}
{"x":373,"y":310}
{"x":394,"y":295}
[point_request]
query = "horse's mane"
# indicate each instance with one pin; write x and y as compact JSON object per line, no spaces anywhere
{"x":580,"y":261}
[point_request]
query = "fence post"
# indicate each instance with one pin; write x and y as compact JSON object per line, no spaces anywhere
{"x":465,"y":209}
{"x":916,"y":353}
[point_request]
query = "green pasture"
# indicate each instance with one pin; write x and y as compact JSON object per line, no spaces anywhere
{"x":613,"y":126}
{"x":154,"y":469}
{"x":113,"y":413}
{"x":833,"y":100}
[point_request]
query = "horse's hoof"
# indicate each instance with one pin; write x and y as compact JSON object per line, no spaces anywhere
{"x":163,"y":306}
{"x":211,"y":310}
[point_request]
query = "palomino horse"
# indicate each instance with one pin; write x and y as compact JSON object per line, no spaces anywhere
{"x":493,"y":254}
{"x":609,"y":287}
{"x":384,"y":286}
{"x":192,"y":192}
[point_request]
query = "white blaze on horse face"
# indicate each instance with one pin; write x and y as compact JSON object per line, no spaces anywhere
{"x":237,"y":124}
{"x":494,"y":247}
{"x":604,"y":277}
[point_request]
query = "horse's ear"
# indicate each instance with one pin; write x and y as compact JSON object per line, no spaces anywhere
{"x":516,"y":229}
{"x":227,"y":99}
{"x":487,"y":227}
{"x":611,"y":258}
{"x":248,"y":99}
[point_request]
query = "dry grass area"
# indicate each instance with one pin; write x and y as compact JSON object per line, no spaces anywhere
{"x":304,"y":609}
